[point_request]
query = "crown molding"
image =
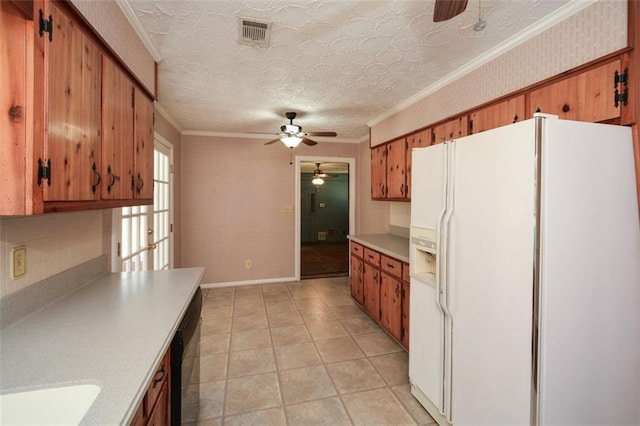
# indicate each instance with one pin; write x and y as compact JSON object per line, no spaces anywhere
{"x":528,"y":33}
{"x":126,"y":8}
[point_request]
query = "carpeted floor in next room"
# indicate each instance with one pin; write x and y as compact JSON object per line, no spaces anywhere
{"x":324,"y":259}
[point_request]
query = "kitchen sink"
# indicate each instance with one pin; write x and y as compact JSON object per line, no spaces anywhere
{"x":61,"y":405}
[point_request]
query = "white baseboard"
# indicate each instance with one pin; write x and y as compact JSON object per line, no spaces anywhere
{"x":250,"y":282}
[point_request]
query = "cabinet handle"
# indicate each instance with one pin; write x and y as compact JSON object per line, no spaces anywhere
{"x":114,"y":178}
{"x":402,"y":189}
{"x":97,"y":178}
{"x":565,"y":108}
{"x":140,"y":182}
{"x":397,"y":291}
{"x":389,"y":265}
{"x":159,"y":377}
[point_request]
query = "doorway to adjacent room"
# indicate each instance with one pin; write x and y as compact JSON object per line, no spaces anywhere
{"x":324,"y":216}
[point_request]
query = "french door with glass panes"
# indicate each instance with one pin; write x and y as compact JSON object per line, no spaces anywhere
{"x":143,"y":234}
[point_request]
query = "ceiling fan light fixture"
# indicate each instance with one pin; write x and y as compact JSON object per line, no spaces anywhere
{"x":291,"y":141}
{"x":317,"y":181}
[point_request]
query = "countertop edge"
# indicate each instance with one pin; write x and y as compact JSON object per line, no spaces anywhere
{"x":388,"y":244}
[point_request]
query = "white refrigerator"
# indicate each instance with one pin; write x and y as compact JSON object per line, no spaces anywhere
{"x":525,"y":276}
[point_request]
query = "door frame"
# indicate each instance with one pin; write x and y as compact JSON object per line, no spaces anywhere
{"x":298,"y":203}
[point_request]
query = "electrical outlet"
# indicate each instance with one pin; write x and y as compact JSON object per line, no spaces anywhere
{"x":18,"y":262}
{"x":247,"y":264}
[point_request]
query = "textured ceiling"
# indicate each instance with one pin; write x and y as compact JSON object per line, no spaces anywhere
{"x":339,"y":64}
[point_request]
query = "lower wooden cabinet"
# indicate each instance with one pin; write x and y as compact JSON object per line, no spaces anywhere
{"x":155,"y":407}
{"x":380,"y":284}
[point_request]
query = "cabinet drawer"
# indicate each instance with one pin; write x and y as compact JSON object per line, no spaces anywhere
{"x":159,"y":379}
{"x":159,"y":416}
{"x":357,"y":249}
{"x":372,"y":256}
{"x":406,"y":272}
{"x":391,"y":266}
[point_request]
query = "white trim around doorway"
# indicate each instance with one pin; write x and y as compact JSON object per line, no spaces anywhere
{"x":352,"y":198}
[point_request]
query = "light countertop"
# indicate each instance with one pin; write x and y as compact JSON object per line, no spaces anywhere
{"x":389,"y":244}
{"x":112,"y":332}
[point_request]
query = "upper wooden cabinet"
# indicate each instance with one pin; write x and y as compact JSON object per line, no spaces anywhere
{"x":497,"y":115}
{"x":451,"y":129}
{"x":144,"y":120}
{"x":117,"y":132}
{"x":415,"y":140}
{"x":587,"y":96}
{"x":379,"y":172}
{"x":16,"y":113}
{"x":396,"y":169}
{"x":80,"y":128}
{"x":72,"y":117}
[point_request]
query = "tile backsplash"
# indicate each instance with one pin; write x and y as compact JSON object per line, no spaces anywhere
{"x":55,"y":242}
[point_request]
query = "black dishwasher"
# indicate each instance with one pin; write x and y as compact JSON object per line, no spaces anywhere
{"x":185,"y":365}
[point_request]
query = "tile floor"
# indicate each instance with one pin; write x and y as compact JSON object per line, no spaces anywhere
{"x":299,"y":354}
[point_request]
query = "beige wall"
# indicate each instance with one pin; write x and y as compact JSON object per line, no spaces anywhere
{"x":589,"y":34}
{"x":232,"y":193}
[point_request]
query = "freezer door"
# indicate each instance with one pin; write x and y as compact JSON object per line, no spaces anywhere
{"x":428,"y":185}
{"x":489,"y":289}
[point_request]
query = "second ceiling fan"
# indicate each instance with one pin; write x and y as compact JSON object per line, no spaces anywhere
{"x":291,"y":134}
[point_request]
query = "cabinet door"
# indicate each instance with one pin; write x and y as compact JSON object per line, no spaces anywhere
{"x":117,"y":124}
{"x":450,"y":130}
{"x":378,"y":172}
{"x":416,"y":140}
{"x":16,"y":81}
{"x":391,"y":305}
{"x":143,"y":146}
{"x":497,"y":115}
{"x":372,"y":291}
{"x":357,"y":283}
{"x":406,"y":293}
{"x":396,"y":169}
{"x":72,"y":140}
{"x":588,"y":96}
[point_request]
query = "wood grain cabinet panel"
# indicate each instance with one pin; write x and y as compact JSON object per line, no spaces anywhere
{"x":391,"y":305}
{"x":379,"y":172}
{"x":16,"y":47}
{"x":419,"y":139}
{"x":118,"y":132}
{"x":144,"y":119}
{"x":357,"y":279}
{"x":406,"y":294}
{"x":497,"y":115}
{"x":372,"y":290}
{"x":587,"y":96}
{"x":72,"y":139}
{"x":451,"y":129}
{"x":396,"y":169}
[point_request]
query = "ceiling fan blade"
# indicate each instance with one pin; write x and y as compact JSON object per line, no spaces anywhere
{"x":309,"y":142}
{"x":273,"y":141}
{"x":322,"y":134}
{"x":447,"y":9}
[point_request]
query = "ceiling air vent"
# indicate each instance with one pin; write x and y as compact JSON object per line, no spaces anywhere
{"x":254,"y":32}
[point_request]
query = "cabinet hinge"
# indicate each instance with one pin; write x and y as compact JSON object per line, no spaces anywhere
{"x":133,"y":95}
{"x":46,"y":26}
{"x":44,"y":172}
{"x":171,"y":169}
{"x":119,"y":255}
{"x":171,"y":228}
{"x":621,"y":97}
{"x":470,"y":127}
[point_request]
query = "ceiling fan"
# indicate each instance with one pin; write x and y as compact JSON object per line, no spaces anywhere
{"x":291,"y":134}
{"x":319,"y":176}
{"x":447,"y":9}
